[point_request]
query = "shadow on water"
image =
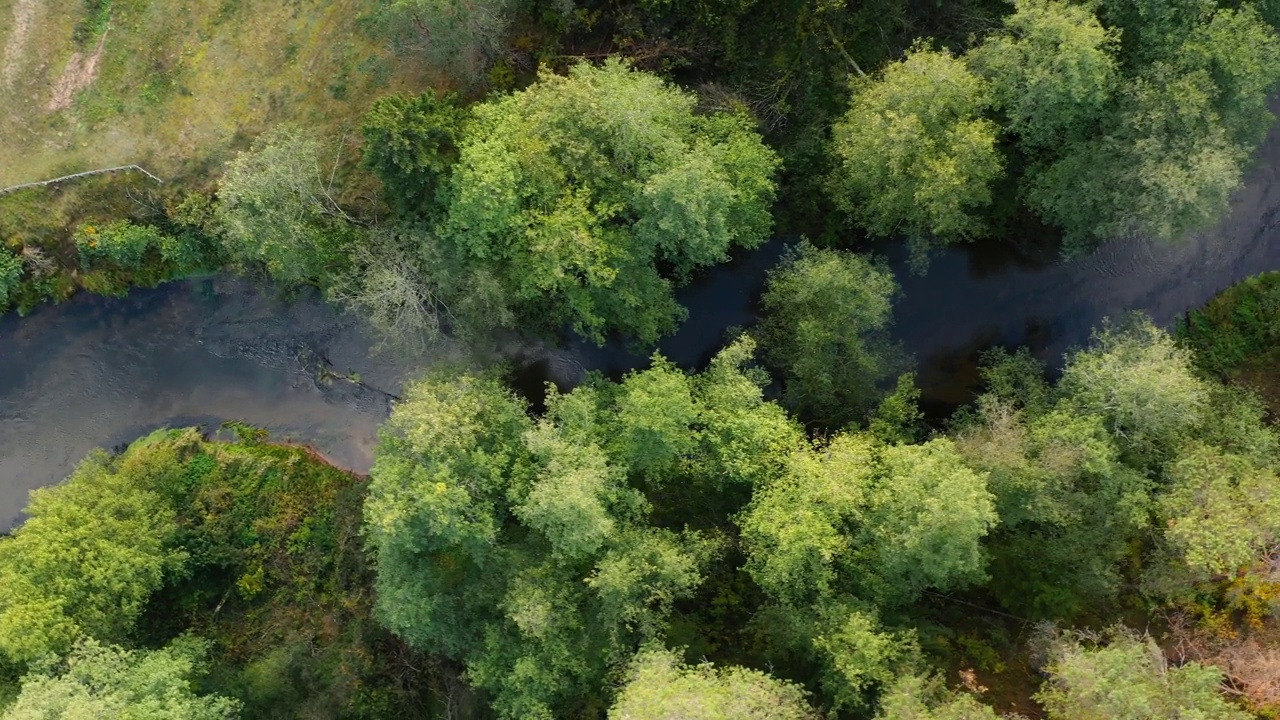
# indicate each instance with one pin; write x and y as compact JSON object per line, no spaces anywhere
{"x":97,"y":372}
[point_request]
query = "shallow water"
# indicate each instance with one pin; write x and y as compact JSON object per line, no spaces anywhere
{"x":97,"y":372}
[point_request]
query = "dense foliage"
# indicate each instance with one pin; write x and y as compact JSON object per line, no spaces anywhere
{"x":719,"y":543}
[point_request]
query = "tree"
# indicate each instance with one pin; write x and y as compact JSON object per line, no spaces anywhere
{"x":411,"y":144}
{"x":882,"y":523}
{"x":574,"y":193}
{"x":1070,"y":509}
{"x":459,"y":36}
{"x":1170,"y":149}
{"x":915,"y":155}
{"x":827,"y":315}
{"x":521,"y":548}
{"x":109,"y":681}
{"x":913,"y":697}
{"x":1129,"y":677}
{"x":275,"y":208}
{"x":1142,"y":383}
{"x":1221,"y":511}
{"x":90,"y":554}
{"x":394,"y":286}
{"x":659,"y":686}
{"x":1052,"y":71}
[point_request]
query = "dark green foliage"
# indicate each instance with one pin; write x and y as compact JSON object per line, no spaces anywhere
{"x":1237,"y":326}
{"x":411,"y":144}
{"x":10,"y":276}
{"x":827,"y":315}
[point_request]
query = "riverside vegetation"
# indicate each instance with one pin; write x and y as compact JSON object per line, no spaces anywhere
{"x":782,"y":534}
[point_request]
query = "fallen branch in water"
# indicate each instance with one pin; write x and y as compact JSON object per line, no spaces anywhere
{"x":87,"y":173}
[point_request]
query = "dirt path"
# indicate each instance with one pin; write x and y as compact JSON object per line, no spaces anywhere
{"x":24,"y":16}
{"x":80,"y":73}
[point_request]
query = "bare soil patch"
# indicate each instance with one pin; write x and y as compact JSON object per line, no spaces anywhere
{"x":80,"y":73}
{"x":24,"y":16}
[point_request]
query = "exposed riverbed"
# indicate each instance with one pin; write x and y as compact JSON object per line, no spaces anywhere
{"x":98,"y":372}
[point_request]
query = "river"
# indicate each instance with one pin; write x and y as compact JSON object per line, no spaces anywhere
{"x":100,"y":372}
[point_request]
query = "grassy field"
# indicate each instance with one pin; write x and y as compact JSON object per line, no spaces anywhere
{"x":178,"y":86}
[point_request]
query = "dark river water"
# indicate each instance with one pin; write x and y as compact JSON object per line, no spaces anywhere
{"x":97,"y":372}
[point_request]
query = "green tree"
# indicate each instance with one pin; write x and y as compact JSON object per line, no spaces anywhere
{"x":89,"y":555}
{"x":660,"y":686}
{"x":913,"y":697}
{"x":1142,"y":383}
{"x":881,"y":522}
{"x":827,"y":315}
{"x":101,"y":681}
{"x":575,"y":192}
{"x":411,"y":144}
{"x":1221,"y":511}
{"x":1170,"y":150}
{"x":521,"y":548}
{"x":1129,"y":677}
{"x":1052,"y":71}
{"x":915,"y":156}
{"x":1070,"y":509}
{"x":275,"y":208}
{"x":460,"y":37}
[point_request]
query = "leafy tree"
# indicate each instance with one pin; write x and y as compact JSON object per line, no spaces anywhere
{"x":660,"y":686}
{"x":826,"y":323}
{"x":1221,"y":511}
{"x":1142,"y":383}
{"x":89,"y":556}
{"x":913,"y":697}
{"x":520,"y":548}
{"x":275,"y":208}
{"x":1052,"y":71}
{"x":108,"y":681}
{"x":446,"y":452}
{"x":10,"y":276}
{"x":881,"y":522}
{"x":575,"y":192}
{"x":898,"y":419}
{"x":459,"y":36}
{"x":1171,"y":148}
{"x":411,"y":144}
{"x":915,"y":155}
{"x":1069,"y":508}
{"x":1130,"y":678}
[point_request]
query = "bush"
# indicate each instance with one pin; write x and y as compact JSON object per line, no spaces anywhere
{"x":10,"y":277}
{"x":121,"y":243}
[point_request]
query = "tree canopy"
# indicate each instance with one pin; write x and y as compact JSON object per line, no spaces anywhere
{"x":590,"y":195}
{"x":915,"y":156}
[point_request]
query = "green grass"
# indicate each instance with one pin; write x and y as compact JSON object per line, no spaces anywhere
{"x":181,"y":84}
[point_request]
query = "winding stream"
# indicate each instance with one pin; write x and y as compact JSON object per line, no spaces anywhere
{"x":97,"y":372}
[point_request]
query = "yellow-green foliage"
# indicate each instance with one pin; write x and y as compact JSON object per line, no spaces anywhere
{"x":90,"y":555}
